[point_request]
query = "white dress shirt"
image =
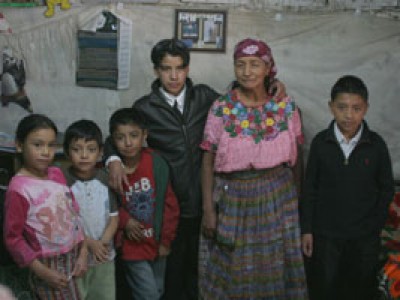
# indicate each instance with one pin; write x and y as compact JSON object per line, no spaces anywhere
{"x":171,"y":99}
{"x":347,"y":146}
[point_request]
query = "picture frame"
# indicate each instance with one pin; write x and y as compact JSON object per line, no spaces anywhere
{"x":19,"y":3}
{"x":201,"y":30}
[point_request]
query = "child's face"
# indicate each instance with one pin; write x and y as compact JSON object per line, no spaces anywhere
{"x":84,"y":155}
{"x":129,"y":140}
{"x":38,"y":151}
{"x":348,"y":110}
{"x":172,"y":74}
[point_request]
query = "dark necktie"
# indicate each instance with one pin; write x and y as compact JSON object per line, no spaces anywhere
{"x":176,"y":109}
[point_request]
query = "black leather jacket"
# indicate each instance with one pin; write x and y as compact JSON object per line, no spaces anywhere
{"x":177,"y":137}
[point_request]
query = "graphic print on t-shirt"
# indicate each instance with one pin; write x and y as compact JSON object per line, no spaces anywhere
{"x":140,"y":201}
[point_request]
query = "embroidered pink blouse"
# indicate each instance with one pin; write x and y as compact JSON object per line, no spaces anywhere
{"x":41,"y":217}
{"x":245,"y":138}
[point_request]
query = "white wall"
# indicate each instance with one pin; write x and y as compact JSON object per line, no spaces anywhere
{"x":312,"y":49}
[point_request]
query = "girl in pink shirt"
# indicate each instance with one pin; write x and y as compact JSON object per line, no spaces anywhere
{"x":42,"y":228}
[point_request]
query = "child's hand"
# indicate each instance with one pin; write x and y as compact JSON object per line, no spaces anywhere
{"x":164,"y":251}
{"x":307,"y":244}
{"x":117,"y":176}
{"x":53,"y":278}
{"x":134,"y":230}
{"x":99,"y":249}
{"x":80,"y":267}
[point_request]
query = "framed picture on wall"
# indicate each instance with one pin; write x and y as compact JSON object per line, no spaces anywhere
{"x":20,"y":3}
{"x":201,"y":30}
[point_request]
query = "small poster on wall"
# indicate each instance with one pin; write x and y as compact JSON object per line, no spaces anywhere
{"x":201,"y":30}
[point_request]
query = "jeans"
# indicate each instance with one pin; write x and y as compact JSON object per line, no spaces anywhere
{"x":146,"y":278}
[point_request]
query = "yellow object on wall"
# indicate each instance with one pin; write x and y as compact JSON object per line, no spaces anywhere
{"x":64,"y":4}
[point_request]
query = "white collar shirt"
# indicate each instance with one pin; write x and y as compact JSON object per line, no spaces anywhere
{"x":347,"y":146}
{"x":171,"y":99}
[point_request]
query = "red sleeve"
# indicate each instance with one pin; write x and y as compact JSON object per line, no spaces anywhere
{"x":170,"y":217}
{"x":124,"y":217}
{"x":15,"y":216}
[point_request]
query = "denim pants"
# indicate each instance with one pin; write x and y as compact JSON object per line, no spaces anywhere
{"x":146,"y":278}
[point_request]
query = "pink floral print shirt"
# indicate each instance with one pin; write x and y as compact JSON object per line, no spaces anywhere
{"x":41,"y":217}
{"x":245,"y":138}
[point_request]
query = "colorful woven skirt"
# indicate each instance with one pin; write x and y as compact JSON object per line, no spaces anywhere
{"x":256,"y":253}
{"x":63,"y":263}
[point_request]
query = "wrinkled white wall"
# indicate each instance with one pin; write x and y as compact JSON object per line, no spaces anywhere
{"x":312,"y":49}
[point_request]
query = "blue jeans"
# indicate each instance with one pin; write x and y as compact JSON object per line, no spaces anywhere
{"x":146,"y":278}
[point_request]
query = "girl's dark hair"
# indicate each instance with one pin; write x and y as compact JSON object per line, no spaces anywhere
{"x":126,"y":116}
{"x":349,"y":84}
{"x":31,"y":123}
{"x":173,"y":47}
{"x":82,"y":129}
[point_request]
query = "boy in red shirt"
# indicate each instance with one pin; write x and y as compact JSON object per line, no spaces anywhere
{"x":149,"y":210}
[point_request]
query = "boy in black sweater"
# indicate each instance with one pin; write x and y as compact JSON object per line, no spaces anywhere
{"x":348,"y":187}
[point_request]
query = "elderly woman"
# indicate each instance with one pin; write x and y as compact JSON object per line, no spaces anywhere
{"x":251,"y":245}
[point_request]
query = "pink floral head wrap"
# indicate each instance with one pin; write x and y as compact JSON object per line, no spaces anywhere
{"x":257,"y":48}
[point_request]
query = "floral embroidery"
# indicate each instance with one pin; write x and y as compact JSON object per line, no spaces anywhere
{"x":390,"y":279}
{"x":390,"y":274}
{"x":261,"y":123}
{"x":250,"y":50}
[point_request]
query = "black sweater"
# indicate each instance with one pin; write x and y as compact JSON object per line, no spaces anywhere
{"x":346,"y":198}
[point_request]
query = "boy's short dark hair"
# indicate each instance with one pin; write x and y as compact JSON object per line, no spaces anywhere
{"x":349,"y":84}
{"x":126,"y":116}
{"x":173,"y":47}
{"x":82,"y":129}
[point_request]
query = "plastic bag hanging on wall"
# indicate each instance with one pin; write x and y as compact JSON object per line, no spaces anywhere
{"x":13,"y":81}
{"x":109,"y":23}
